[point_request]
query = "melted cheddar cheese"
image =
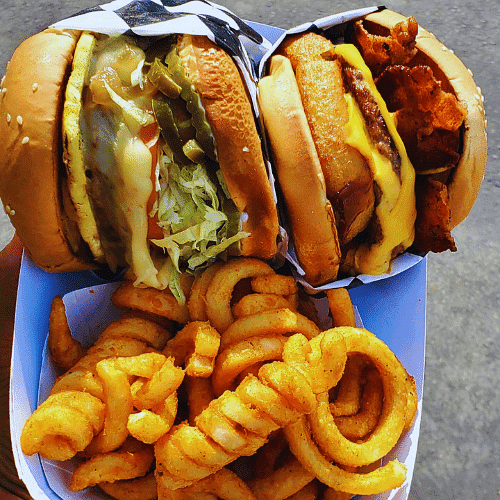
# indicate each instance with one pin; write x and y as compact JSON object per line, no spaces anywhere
{"x":395,"y":209}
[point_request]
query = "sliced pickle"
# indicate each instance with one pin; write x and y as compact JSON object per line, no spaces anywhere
{"x":193,"y":102}
{"x":193,"y":151}
{"x":160,"y":77}
{"x":168,"y":127}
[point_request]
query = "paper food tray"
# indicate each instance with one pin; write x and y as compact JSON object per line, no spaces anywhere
{"x":393,"y":309}
{"x":391,"y":306}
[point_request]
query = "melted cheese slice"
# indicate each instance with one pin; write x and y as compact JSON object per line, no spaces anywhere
{"x":109,"y":169}
{"x":395,"y":211}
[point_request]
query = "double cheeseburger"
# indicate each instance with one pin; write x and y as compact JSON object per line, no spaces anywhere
{"x":379,"y":144}
{"x":136,"y":153}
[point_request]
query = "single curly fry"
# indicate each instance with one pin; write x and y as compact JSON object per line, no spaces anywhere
{"x":195,"y":347}
{"x":221,"y":288}
{"x":65,"y":351}
{"x":63,"y":425}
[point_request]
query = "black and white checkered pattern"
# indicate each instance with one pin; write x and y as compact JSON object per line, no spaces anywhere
{"x":162,"y":17}
{"x":328,"y":24}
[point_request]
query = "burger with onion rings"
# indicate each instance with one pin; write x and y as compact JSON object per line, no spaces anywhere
{"x":379,"y":143}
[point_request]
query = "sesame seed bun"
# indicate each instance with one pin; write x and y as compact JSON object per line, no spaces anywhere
{"x":32,"y":185}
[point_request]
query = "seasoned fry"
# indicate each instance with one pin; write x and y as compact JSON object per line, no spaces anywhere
{"x":142,"y":365}
{"x":349,"y":388}
{"x":65,"y":351}
{"x":256,"y":303}
{"x":141,"y":488}
{"x":273,"y":321}
{"x":133,"y":460}
{"x":199,"y":395}
{"x":118,"y":401}
{"x":139,"y":328}
{"x":151,"y":300}
{"x":382,"y":479}
{"x":148,"y":393}
{"x":275,"y":283}
{"x":341,"y":308}
{"x":63,"y":425}
{"x":240,"y":356}
{"x":356,"y":427}
{"x":283,"y":482}
{"x":195,"y":347}
{"x":197,"y":301}
{"x":221,"y":287}
{"x":147,"y":426}
{"x":392,"y":419}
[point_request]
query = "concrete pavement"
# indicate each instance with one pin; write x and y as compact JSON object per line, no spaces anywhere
{"x":459,"y":450}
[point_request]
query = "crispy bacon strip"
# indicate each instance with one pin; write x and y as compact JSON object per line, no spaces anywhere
{"x":380,"y":50}
{"x":432,"y":227}
{"x":428,"y":118}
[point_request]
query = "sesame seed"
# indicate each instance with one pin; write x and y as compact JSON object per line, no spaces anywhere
{"x":25,"y":140}
{"x":245,"y":150}
{"x":8,"y":210}
{"x":4,"y":91}
{"x":35,"y":87}
{"x":8,"y":118}
{"x":19,"y":119}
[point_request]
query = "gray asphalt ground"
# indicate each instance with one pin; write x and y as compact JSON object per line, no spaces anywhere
{"x":459,"y":450}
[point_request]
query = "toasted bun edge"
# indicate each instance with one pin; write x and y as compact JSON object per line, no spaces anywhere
{"x":239,"y":148}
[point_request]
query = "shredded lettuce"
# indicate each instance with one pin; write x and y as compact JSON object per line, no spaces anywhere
{"x":196,"y":227}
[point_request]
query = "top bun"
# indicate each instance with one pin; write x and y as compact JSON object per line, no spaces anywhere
{"x":31,"y":168}
{"x":466,"y":179}
{"x":239,"y":149}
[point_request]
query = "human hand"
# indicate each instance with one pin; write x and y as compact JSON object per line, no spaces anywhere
{"x":11,"y":487}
